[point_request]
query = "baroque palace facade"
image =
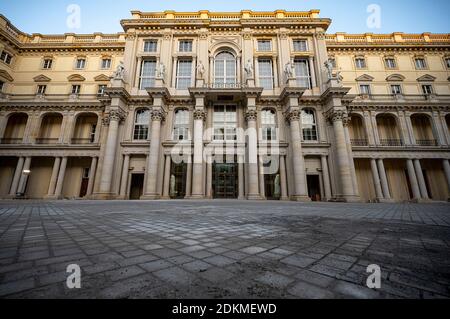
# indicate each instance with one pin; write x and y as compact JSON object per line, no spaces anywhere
{"x":248,"y":105}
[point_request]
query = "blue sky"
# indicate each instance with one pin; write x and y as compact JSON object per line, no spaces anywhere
{"x":49,"y":16}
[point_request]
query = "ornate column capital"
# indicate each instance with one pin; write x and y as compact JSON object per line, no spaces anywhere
{"x":116,"y":115}
{"x":293,"y":115}
{"x":199,"y":115}
{"x":251,"y":115}
{"x":338,"y":115}
{"x":158,"y":115}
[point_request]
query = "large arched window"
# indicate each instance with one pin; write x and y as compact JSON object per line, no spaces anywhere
{"x":268,"y":125}
{"x":225,"y":69}
{"x":141,"y":122}
{"x":309,"y":125}
{"x":181,"y":125}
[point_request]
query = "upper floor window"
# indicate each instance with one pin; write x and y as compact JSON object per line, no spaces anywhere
{"x":106,"y":63}
{"x":5,"y":57}
{"x":264,"y":45}
{"x":265,"y":73}
{"x":2,"y":85}
{"x":81,"y":63}
{"x":76,"y":89}
{"x":101,"y":89}
{"x":427,"y":89}
{"x":148,"y":73}
{"x":300,"y":45}
{"x":225,"y":123}
{"x":224,"y":69}
{"x":360,"y":63}
{"x":150,"y":45}
{"x":184,"y":74}
{"x":364,"y":89}
{"x":41,"y":89}
{"x":185,"y":46}
{"x":302,"y":73}
{"x":396,"y":89}
{"x":268,"y":125}
{"x":420,"y":63}
{"x":141,"y":122}
{"x":181,"y":125}
{"x":390,"y":63}
{"x":47,"y":64}
{"x":447,"y":62}
{"x":309,"y":125}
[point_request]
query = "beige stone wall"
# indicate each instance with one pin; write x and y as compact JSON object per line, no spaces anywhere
{"x":39,"y":179}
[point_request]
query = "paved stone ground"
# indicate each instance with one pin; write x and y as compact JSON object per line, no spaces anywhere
{"x":223,"y":249}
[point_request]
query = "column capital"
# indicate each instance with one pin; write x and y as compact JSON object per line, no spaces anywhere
{"x":114,"y":115}
{"x":158,"y":115}
{"x":293,"y":115}
{"x":338,"y":115}
{"x":200,"y":115}
{"x":251,"y":115}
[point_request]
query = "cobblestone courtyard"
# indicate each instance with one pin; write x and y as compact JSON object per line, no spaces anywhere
{"x":223,"y":249}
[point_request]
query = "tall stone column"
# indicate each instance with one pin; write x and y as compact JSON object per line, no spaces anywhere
{"x":124,"y":179}
{"x":54,"y":178}
{"x":189,"y":178}
{"x":383,"y":179}
{"x":252,"y":149}
{"x":166,"y":187}
{"x":17,"y":175}
{"x":343,"y":160}
{"x":60,"y":182}
{"x":110,"y":151}
{"x":298,"y":162}
{"x":24,"y":177}
{"x":413,"y":180}
{"x":376,"y":180}
{"x":209,"y":177}
{"x":446,"y":165}
{"x":421,"y":180}
{"x":241,"y":177}
{"x":92,"y":172}
{"x":197,"y":168}
{"x":351,"y":161}
{"x":326,"y":178}
{"x":283,"y":178}
{"x":153,"y":159}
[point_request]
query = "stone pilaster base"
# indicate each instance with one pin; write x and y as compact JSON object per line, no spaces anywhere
{"x":150,"y":197}
{"x":300,"y":198}
{"x":197,"y":197}
{"x":254,"y":197}
{"x":104,"y":196}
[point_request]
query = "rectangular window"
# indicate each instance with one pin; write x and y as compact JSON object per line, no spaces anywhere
{"x":181,"y":126}
{"x":364,"y":89}
{"x":76,"y":89}
{"x":41,"y":89}
{"x":148,"y":72}
{"x":184,"y":72}
{"x":106,"y":64}
{"x":390,"y":63}
{"x":447,"y":63}
{"x":427,"y":89}
{"x":150,"y":45}
{"x":396,"y":89}
{"x":81,"y":63}
{"x":420,"y":64}
{"x":264,"y":45}
{"x":302,"y":73}
{"x":92,"y":133}
{"x":225,"y":123}
{"x":2,"y":85}
{"x":101,"y":89}
{"x":185,"y":46}
{"x":360,"y":63}
{"x":5,"y":57}
{"x":47,"y":64}
{"x":300,"y":45}
{"x":265,"y":73}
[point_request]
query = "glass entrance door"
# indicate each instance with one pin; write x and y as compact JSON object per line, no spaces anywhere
{"x":178,"y":181}
{"x":225,"y":180}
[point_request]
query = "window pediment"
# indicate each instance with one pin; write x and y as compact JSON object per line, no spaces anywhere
{"x":102,"y":78}
{"x":426,"y":78}
{"x":76,"y":78}
{"x":5,"y":75}
{"x":41,"y":78}
{"x":364,"y":78}
{"x":395,"y":77}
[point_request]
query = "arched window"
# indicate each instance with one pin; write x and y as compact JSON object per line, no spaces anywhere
{"x":268,"y":125}
{"x":181,"y":125}
{"x":309,"y":125}
{"x":225,"y":69}
{"x":141,"y":122}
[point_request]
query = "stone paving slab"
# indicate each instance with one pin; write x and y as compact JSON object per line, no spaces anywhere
{"x":223,"y":249}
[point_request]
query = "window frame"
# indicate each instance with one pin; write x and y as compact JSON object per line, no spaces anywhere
{"x":182,"y":48}
{"x":430,"y":86}
{"x":425,"y":64}
{"x":269,"y":128}
{"x":78,"y":59}
{"x":386,"y":64}
{"x":225,"y":125}
{"x":305,"y":41}
{"x":359,"y":67}
{"x":147,"y":77}
{"x":46,"y":65}
{"x":225,"y":75}
{"x":2,"y":86}
{"x":102,"y":66}
{"x":270,"y":77}
{"x":6,"y":57}
{"x":144,"y":45}
{"x":309,"y":134}
{"x":141,"y":130}
{"x":369,"y":89}
{"x":179,"y":77}
{"x":261,"y":41}
{"x":75,"y":92}
{"x":101,"y":92}
{"x":181,"y":129}
{"x":400,"y":92}
{"x":447,"y":62}
{"x":41,"y":89}
{"x":300,"y":77}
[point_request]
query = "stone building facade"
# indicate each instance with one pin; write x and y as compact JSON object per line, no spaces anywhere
{"x":247,"y":105}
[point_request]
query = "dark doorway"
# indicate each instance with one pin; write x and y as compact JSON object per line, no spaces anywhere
{"x":178,"y":175}
{"x":314,"y":188}
{"x":225,"y":180}
{"x":84,"y":182}
{"x":137,"y":186}
{"x":272,"y":186}
{"x":427,"y":184}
